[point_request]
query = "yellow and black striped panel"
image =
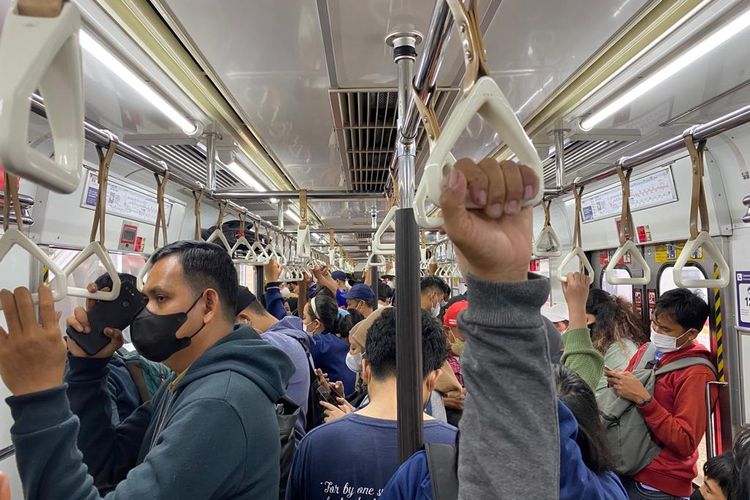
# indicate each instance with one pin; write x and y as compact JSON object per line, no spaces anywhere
{"x":719,"y":328}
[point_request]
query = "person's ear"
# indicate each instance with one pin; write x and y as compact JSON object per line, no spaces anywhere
{"x":212,"y":308}
{"x":432,"y":378}
{"x":244,"y":317}
{"x":366,"y":371}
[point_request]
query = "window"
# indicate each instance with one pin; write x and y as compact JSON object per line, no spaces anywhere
{"x":625,"y":292}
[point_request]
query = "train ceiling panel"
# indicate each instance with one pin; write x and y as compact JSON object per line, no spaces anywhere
{"x":270,"y":58}
{"x":706,"y":89}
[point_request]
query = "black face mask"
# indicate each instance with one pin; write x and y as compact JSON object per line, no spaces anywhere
{"x":155,"y":335}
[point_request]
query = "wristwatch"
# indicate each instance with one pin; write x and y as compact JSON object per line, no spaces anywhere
{"x":643,"y":403}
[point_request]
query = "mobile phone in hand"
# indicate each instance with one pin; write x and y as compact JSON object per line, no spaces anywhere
{"x":118,"y":313}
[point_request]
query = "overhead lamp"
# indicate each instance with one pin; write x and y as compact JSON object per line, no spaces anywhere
{"x":700,"y":49}
{"x":242,"y":174}
{"x":117,"y":67}
{"x":292,"y":215}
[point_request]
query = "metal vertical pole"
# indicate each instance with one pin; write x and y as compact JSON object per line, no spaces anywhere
{"x":559,"y":157}
{"x":280,"y":214}
{"x":408,"y":314}
{"x":211,"y":161}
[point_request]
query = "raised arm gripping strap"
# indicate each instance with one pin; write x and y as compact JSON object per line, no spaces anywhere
{"x":486,"y":99}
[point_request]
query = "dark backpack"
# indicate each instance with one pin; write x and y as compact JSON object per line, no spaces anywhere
{"x":287,"y":414}
{"x":442,"y":462}
{"x":627,"y":433}
{"x":315,"y":413}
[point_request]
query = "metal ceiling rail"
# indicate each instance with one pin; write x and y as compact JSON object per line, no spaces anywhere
{"x":429,"y":66}
{"x":103,"y":137}
{"x":703,"y":132}
{"x":248,"y":194}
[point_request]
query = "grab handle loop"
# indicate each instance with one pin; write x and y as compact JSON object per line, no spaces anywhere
{"x":304,"y":246}
{"x":218,"y":234}
{"x":198,"y":197}
{"x":161,"y":213}
{"x":577,"y":250}
{"x":699,"y":239}
{"x":97,"y":248}
{"x":547,"y":234}
{"x":388,"y":222}
{"x":15,"y":236}
{"x":627,"y":245}
{"x":39,"y":49}
{"x":481,"y":96}
{"x":241,"y":240}
{"x":257,"y":254}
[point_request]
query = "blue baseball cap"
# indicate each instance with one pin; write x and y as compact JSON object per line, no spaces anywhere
{"x":361,"y":292}
{"x":339,"y":275}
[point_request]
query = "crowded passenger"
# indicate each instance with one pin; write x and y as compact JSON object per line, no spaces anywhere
{"x":675,"y":414}
{"x":361,"y":298}
{"x":454,"y":400}
{"x":385,"y":295}
{"x":217,"y":411}
{"x":558,"y":316}
{"x":616,"y":330}
{"x":433,"y":291}
{"x":366,"y":449}
{"x":322,"y":321}
{"x":718,"y":478}
{"x":287,"y":335}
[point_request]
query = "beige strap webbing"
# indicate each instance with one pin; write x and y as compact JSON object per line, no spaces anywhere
{"x":100,"y":213}
{"x":40,"y":8}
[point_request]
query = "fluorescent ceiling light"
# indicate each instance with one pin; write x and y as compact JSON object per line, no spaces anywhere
{"x":292,"y":215}
{"x":691,"y":56}
{"x":241,"y":172}
{"x":274,"y":200}
{"x":90,"y":45}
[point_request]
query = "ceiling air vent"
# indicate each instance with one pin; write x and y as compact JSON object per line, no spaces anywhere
{"x":365,"y":122}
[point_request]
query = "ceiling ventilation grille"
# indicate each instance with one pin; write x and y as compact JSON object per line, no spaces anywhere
{"x":365,"y":122}
{"x":580,"y":154}
{"x":190,"y":162}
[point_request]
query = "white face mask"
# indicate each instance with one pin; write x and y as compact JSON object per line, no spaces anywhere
{"x":665,"y":343}
{"x":354,"y":362}
{"x":285,"y":292}
{"x":436,"y":310}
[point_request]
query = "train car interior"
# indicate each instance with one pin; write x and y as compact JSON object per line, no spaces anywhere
{"x":318,"y":132}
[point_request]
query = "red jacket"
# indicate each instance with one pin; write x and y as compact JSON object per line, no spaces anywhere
{"x":676,"y":417}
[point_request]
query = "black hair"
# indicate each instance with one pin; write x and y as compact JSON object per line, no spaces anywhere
{"x":323,"y":291}
{"x":327,"y":312}
{"x":741,"y":458}
{"x":105,"y":281}
{"x":430,"y":283}
{"x":684,"y":307}
{"x":356,"y":316}
{"x":580,"y":400}
{"x":616,"y":320}
{"x":384,"y":291}
{"x":292,"y":301}
{"x":257,"y":307}
{"x":205,"y":265}
{"x":721,"y":469}
{"x":380,"y":345}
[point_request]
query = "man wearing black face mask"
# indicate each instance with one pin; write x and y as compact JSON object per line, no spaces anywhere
{"x":209,"y":432}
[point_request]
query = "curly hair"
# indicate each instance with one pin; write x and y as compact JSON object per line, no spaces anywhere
{"x":615,"y":321}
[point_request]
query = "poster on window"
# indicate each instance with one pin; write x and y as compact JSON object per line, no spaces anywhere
{"x":743,"y":298}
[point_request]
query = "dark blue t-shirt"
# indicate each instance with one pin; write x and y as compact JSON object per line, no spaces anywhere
{"x":329,"y":354}
{"x":352,"y":458}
